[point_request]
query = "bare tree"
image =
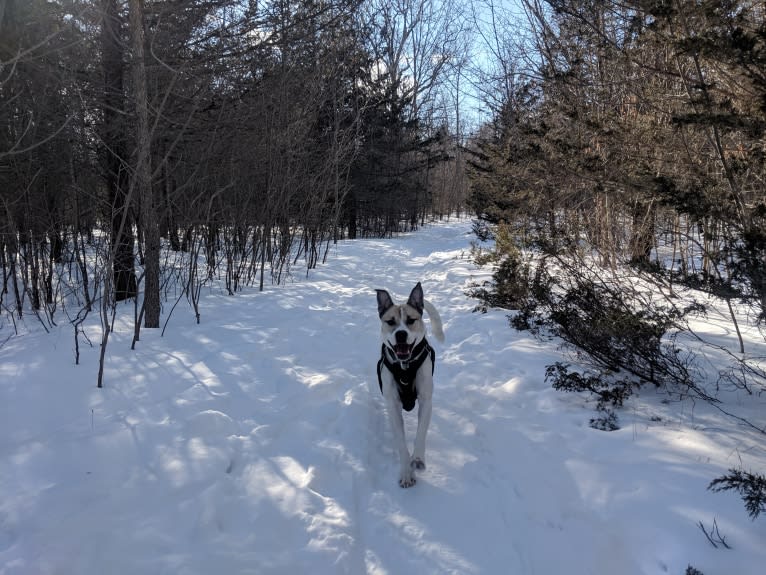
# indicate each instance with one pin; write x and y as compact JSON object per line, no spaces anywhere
{"x":113,"y":137}
{"x":143,"y":172}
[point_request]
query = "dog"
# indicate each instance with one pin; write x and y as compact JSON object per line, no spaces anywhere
{"x":405,"y":372}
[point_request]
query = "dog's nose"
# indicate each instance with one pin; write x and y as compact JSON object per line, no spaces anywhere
{"x":401,"y":336}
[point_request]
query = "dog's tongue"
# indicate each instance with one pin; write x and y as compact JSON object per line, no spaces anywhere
{"x":403,"y":350}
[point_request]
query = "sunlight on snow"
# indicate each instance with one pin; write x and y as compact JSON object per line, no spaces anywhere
{"x":306,"y":376}
{"x":259,"y":443}
{"x":204,"y":374}
{"x":415,"y":533}
{"x":595,"y":490}
{"x":504,"y":389}
{"x":174,"y":467}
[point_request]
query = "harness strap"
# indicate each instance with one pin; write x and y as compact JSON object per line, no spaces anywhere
{"x":405,"y":375}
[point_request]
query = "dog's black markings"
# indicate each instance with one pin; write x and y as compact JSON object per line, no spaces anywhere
{"x":404,"y":372}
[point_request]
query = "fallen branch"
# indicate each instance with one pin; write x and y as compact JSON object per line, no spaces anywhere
{"x":714,"y":536}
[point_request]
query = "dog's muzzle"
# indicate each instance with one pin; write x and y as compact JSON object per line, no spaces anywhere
{"x":403,"y":351}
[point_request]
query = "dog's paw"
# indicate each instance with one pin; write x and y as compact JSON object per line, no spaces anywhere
{"x":407,"y":480}
{"x":418,"y":464}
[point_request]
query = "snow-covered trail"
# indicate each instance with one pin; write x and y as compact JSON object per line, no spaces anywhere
{"x":257,"y":443}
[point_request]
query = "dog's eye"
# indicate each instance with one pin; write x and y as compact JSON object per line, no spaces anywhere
{"x":391,"y":322}
{"x":411,"y":320}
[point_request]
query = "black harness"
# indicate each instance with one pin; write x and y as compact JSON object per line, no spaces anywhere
{"x":404,"y":371}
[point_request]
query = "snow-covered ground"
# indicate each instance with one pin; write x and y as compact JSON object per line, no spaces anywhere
{"x":257,"y":443}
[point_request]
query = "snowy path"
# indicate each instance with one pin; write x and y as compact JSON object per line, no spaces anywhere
{"x":257,"y":443}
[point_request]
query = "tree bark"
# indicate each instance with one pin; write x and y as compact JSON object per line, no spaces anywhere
{"x":113,"y":137}
{"x":143,"y":173}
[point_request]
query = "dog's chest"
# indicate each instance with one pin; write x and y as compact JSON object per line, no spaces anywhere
{"x":405,"y":376}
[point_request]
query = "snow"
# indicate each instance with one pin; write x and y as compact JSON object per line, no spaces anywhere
{"x":257,"y":443}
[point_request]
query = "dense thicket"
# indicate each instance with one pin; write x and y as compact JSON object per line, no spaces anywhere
{"x":624,"y":163}
{"x":633,"y":134}
{"x":245,"y":136}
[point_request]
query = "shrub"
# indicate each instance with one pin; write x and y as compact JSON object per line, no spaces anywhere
{"x":601,"y":321}
{"x":750,"y":486}
{"x":607,"y":421}
{"x":610,"y":393}
{"x":510,"y":280}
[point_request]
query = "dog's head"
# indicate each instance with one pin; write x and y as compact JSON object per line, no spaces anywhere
{"x":401,"y":326}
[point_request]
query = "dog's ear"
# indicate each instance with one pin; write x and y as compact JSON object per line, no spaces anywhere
{"x":384,"y":301}
{"x":416,"y":298}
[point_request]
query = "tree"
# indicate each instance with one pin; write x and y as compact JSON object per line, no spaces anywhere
{"x":143,"y":172}
{"x":633,"y":132}
{"x":412,"y":46}
{"x":249,"y":135}
{"x":113,"y":137}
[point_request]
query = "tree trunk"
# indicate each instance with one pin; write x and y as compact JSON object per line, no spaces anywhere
{"x":113,"y":136}
{"x":642,"y":232}
{"x":143,"y":174}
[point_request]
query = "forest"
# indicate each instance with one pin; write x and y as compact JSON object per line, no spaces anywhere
{"x":613,"y":150}
{"x":622,"y":179}
{"x":149,"y":146}
{"x":247,"y":136}
{"x":629,"y":144}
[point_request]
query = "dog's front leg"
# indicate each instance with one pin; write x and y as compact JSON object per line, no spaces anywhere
{"x":425,"y":387}
{"x":394,"y":408}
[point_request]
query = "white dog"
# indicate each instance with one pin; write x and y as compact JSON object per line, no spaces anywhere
{"x":405,"y":372}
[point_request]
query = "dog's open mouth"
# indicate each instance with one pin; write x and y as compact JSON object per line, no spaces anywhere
{"x":403,"y":350}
